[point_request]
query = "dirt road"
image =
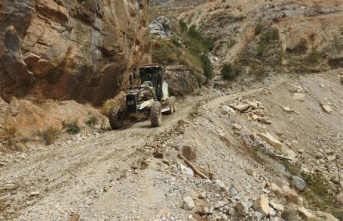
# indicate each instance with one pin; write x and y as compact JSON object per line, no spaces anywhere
{"x":134,"y":173}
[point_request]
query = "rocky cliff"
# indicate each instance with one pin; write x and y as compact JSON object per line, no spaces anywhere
{"x":70,"y":49}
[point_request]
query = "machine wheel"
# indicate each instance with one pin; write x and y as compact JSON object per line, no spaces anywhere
{"x":114,"y":118}
{"x":156,"y":114}
{"x":171,"y":103}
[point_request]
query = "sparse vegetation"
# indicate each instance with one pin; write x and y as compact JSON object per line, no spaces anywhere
{"x":207,"y":66}
{"x":268,"y":37}
{"x":314,"y":56}
{"x":50,"y":135}
{"x":71,"y":127}
{"x":187,"y":47}
{"x":318,"y":196}
{"x":228,"y":72}
{"x":258,"y":28}
{"x":91,"y":121}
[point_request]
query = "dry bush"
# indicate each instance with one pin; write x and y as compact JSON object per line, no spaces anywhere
{"x":50,"y":135}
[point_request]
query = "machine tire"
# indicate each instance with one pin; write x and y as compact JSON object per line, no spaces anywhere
{"x":114,"y":118}
{"x":156,"y":114}
{"x":171,"y":103}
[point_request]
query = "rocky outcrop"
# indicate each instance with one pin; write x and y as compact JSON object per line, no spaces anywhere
{"x":160,"y":27}
{"x":61,"y":49}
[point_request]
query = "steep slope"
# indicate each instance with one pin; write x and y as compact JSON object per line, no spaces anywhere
{"x":277,"y":36}
{"x":61,"y":49}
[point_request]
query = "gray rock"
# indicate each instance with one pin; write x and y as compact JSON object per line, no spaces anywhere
{"x":160,"y":27}
{"x":299,"y":183}
{"x":220,"y":204}
{"x":232,"y":192}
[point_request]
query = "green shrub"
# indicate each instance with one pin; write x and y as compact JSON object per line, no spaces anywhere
{"x":72,"y":127}
{"x":183,"y":27}
{"x":270,"y":36}
{"x":314,"y":56}
{"x":207,"y":66}
{"x":258,"y":29}
{"x":92,"y":121}
{"x":228,"y":72}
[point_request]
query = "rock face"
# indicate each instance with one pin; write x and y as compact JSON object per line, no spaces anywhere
{"x":79,"y":50}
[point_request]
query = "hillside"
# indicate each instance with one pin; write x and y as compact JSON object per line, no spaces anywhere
{"x":267,"y":37}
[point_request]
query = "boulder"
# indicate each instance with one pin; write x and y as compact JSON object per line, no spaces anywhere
{"x":180,"y":81}
{"x":189,"y":152}
{"x":299,"y":183}
{"x":160,"y":27}
{"x":261,"y":205}
{"x":270,"y":140}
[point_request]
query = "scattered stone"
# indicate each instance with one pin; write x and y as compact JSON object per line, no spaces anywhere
{"x":272,"y":212}
{"x":276,"y":189}
{"x":288,"y":109}
{"x":326,"y":216}
{"x":242,"y":208}
{"x":224,"y":110}
{"x":298,"y":96}
{"x":233,"y":192}
{"x":185,"y":170}
{"x":35,"y":193}
{"x":189,"y":152}
{"x":241,"y":107}
{"x":277,"y":206}
{"x":202,"y":209}
{"x":188,"y":203}
{"x":75,"y":217}
{"x":158,"y":154}
{"x":256,"y":216}
{"x":299,"y":183}
{"x":303,"y":212}
{"x":270,"y":140}
{"x":327,"y":108}
{"x":236,"y":127}
{"x":220,"y":204}
{"x":261,"y":205}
